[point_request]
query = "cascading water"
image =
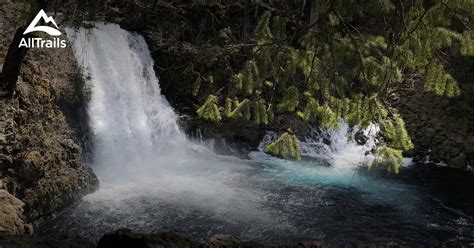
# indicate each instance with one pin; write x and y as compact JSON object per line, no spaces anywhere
{"x":336,"y":146}
{"x":130,"y":119}
{"x":154,"y":179}
{"x":139,"y":149}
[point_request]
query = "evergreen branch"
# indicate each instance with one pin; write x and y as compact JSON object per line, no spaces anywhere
{"x":254,"y":44}
{"x":312,"y":68}
{"x":456,"y":14}
{"x":409,"y":34}
{"x":354,"y":42}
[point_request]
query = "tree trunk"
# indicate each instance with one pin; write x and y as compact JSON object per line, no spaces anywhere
{"x":15,"y":55}
{"x":13,"y":60}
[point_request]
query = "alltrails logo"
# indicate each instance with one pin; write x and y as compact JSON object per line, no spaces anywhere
{"x":40,"y":42}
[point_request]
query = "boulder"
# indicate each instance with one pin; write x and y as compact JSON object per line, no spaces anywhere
{"x":11,"y":215}
{"x":126,"y":238}
{"x":31,"y":241}
{"x":225,"y":240}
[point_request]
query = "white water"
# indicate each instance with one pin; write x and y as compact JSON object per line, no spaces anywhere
{"x":341,"y":152}
{"x":153,"y":178}
{"x":131,"y":121}
{"x":139,"y":148}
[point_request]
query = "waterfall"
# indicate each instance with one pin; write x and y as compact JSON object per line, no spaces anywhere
{"x":336,"y":146}
{"x":134,"y":126}
{"x":155,"y":179}
{"x":131,"y":121}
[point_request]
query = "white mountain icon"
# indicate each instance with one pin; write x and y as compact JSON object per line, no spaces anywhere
{"x":42,"y":15}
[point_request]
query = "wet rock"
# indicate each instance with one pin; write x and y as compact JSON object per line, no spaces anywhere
{"x":434,"y":126}
{"x":225,"y":240}
{"x":29,"y":241}
{"x":125,"y":238}
{"x":458,"y":162}
{"x":11,"y":215}
{"x":469,"y":146}
{"x":360,"y":137}
{"x":3,"y":138}
{"x":40,"y":159}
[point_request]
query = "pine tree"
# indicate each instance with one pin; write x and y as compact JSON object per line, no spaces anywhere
{"x":343,"y":65}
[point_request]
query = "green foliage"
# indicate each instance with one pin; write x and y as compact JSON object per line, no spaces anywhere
{"x":440,"y":82}
{"x":227,"y":35}
{"x":344,"y":65}
{"x":228,"y":106}
{"x":209,"y":55}
{"x":467,"y":43}
{"x":290,"y":100}
{"x":388,"y":157}
{"x":241,"y":110}
{"x":322,"y":114}
{"x":209,"y":109}
{"x":261,"y":115}
{"x":81,"y":91}
{"x":262,"y":31}
{"x":285,"y":146}
{"x":239,"y":81}
{"x":197,"y":86}
{"x":279,"y":28}
{"x":249,"y":80}
{"x":396,"y":134}
{"x":363,"y":110}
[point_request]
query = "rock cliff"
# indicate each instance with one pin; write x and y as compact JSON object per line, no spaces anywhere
{"x":40,"y":158}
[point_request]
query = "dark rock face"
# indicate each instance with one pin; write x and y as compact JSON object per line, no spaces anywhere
{"x":29,"y":241}
{"x":40,"y":159}
{"x":125,"y":238}
{"x":436,"y":129}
